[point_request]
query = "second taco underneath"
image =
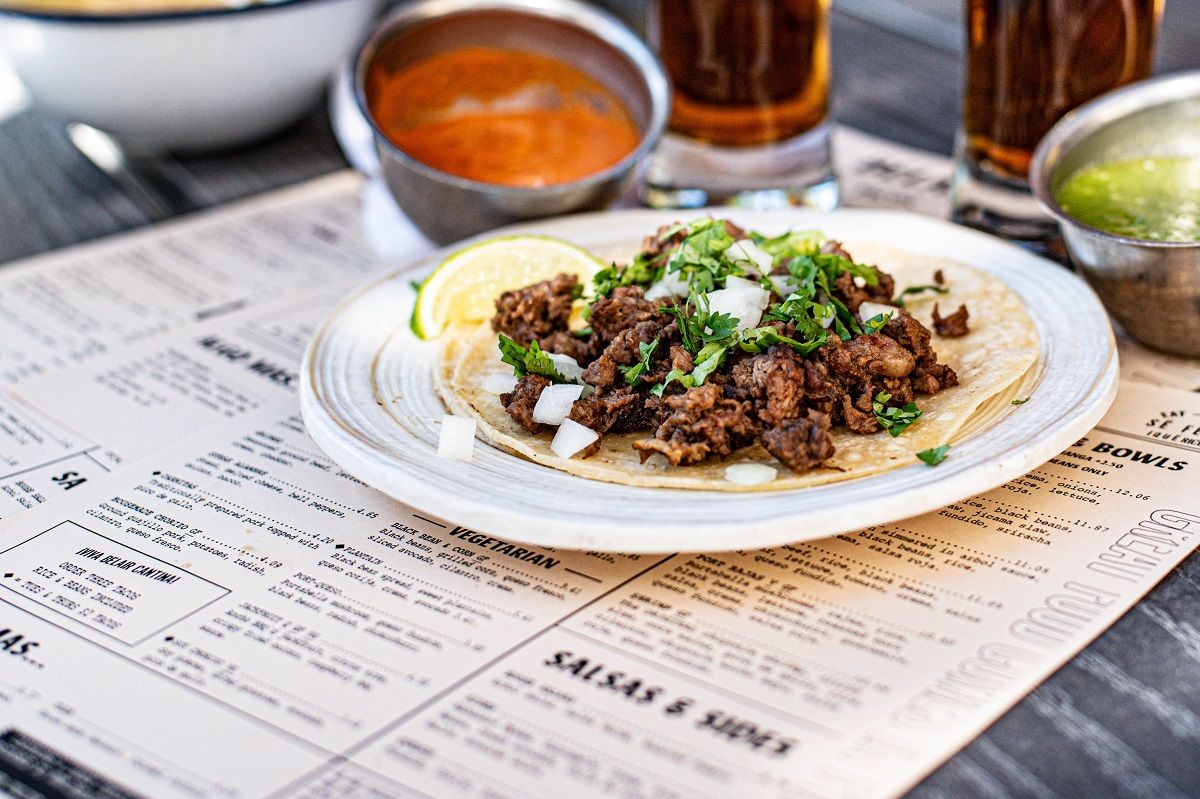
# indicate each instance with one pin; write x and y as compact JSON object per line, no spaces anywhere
{"x":715,"y":346}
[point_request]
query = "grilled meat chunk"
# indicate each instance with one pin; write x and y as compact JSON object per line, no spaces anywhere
{"x":520,"y":401}
{"x":933,"y":378}
{"x":951,"y":326}
{"x":565,"y":343}
{"x":536,"y":311}
{"x":800,"y":443}
{"x":624,"y":308}
{"x":623,"y":350}
{"x":774,"y":383}
{"x":700,"y":422}
{"x":868,"y":356}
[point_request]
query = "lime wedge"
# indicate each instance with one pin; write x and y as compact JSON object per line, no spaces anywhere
{"x":464,"y":288}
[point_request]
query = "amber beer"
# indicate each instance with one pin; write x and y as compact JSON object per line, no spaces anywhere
{"x":745,"y":72}
{"x":1029,"y":62}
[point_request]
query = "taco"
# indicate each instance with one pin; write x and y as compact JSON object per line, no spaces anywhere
{"x":715,"y":347}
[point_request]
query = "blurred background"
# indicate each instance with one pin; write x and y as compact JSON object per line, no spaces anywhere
{"x":897,"y":74}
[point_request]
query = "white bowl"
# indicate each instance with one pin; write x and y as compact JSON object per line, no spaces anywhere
{"x":188,"y":81}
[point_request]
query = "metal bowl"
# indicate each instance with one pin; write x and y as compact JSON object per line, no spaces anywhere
{"x":185,"y":80}
{"x":447,"y":207}
{"x":1151,"y":287}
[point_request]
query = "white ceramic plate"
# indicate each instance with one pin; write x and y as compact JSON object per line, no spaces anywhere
{"x":369,"y":400}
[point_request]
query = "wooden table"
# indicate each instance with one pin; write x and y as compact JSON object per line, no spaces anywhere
{"x":1122,"y":719}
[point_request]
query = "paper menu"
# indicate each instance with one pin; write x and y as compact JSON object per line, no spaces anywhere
{"x":60,"y":309}
{"x":64,"y":310}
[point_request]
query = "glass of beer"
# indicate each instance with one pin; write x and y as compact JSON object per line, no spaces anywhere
{"x":750,"y":115}
{"x":1029,"y":62}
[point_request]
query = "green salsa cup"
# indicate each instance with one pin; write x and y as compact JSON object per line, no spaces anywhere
{"x":1122,"y":240}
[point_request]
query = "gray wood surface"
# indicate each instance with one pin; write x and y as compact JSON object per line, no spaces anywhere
{"x":1121,"y":720}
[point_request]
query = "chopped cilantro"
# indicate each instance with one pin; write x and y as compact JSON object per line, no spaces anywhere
{"x":700,"y":258}
{"x":899,"y":300}
{"x":632,"y":373}
{"x":934,"y":456}
{"x":760,"y":338}
{"x":716,"y":326}
{"x":707,"y":361}
{"x":641,"y":272}
{"x":807,"y":314}
{"x":894,"y":420}
{"x":685,"y":325}
{"x":528,"y":361}
{"x":876,"y":322}
{"x":845,"y":324}
{"x":700,"y":326}
{"x":791,"y":244}
{"x":710,"y":359}
{"x":1020,"y":401}
{"x":675,"y":374}
{"x":583,"y":332}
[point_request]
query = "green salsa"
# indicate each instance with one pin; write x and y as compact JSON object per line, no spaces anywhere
{"x":1142,"y":198}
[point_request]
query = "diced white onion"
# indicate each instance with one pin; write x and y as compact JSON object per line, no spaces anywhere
{"x":784,"y":284}
{"x":554,"y":403}
{"x":567,"y":366}
{"x":499,"y":382}
{"x":750,"y":474}
{"x":571,"y":438}
{"x":742,"y":284}
{"x":456,"y":439}
{"x":672,"y":285}
{"x":747,"y":250}
{"x":745,"y":301}
{"x":869,"y":310}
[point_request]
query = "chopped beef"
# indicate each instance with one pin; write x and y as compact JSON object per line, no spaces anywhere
{"x":623,"y":350}
{"x":822,"y":392}
{"x":624,"y":308}
{"x":800,"y":443}
{"x":700,"y":422}
{"x":912,"y":335}
{"x":774,"y":383}
{"x":855,"y":295}
{"x":520,"y":401}
{"x":536,"y":311}
{"x":645,"y":414}
{"x":735,"y":231}
{"x":566,"y":343}
{"x":601,"y":411}
{"x":832,"y":247}
{"x":868,"y":356}
{"x":657,"y":244}
{"x":951,"y":326}
{"x":939,"y":278}
{"x":858,"y":420}
{"x":681,"y":359}
{"x":933,"y":378}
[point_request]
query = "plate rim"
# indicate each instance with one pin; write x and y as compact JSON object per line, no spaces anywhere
{"x":372,"y":463}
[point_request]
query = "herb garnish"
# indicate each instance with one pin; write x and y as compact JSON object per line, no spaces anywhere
{"x":894,"y":420}
{"x":1020,"y":401}
{"x":877,"y":322}
{"x":760,"y":338}
{"x":632,"y":373}
{"x":528,"y":361}
{"x":899,"y":300}
{"x":934,"y":456}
